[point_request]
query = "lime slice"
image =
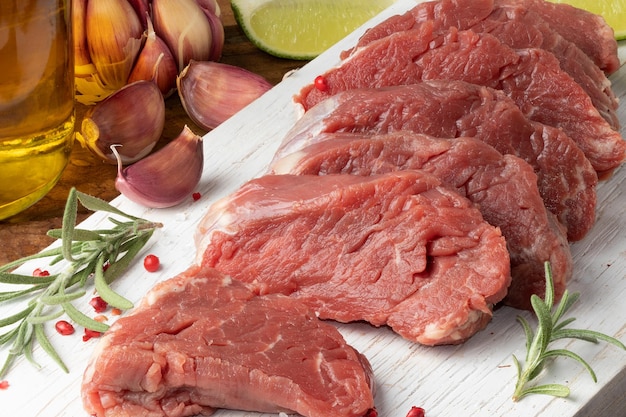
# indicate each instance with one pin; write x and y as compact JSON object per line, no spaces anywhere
{"x":613,"y":11}
{"x":302,"y":29}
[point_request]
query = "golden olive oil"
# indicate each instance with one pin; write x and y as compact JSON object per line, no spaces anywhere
{"x":36,"y":99}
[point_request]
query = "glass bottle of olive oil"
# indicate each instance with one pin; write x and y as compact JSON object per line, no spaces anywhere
{"x":36,"y":99}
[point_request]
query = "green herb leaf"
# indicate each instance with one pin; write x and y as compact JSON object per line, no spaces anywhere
{"x":549,"y":329}
{"x":84,"y":252}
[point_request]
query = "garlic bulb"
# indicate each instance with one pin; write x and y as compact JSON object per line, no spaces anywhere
{"x":109,"y":36}
{"x":211,"y":92}
{"x":133,"y":118}
{"x":166,"y":177}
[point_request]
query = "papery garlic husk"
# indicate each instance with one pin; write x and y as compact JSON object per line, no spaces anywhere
{"x":217,"y":35}
{"x":167,"y":177}
{"x":114,"y":36}
{"x":133,"y":118}
{"x":81,"y":50}
{"x":211,"y":6}
{"x":155,"y":63}
{"x":142,"y":9}
{"x":211,"y":92}
{"x":185,"y":29}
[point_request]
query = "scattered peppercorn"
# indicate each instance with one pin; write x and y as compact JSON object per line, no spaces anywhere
{"x":41,"y":273}
{"x":372,"y":412}
{"x":98,"y":304}
{"x":320,"y":83}
{"x":90,"y":334}
{"x":4,"y":384}
{"x":101,"y":318}
{"x":64,"y":328}
{"x":196,"y":196}
{"x":151,"y":263}
{"x":416,"y":412}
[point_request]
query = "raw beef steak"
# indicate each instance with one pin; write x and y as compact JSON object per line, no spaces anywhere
{"x":504,"y":188}
{"x":514,"y":25}
{"x":202,"y":341}
{"x":440,"y":108}
{"x":394,"y":249}
{"x":531,"y":77}
{"x":588,"y":31}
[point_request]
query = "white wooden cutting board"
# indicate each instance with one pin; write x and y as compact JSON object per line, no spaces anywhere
{"x":475,"y":379}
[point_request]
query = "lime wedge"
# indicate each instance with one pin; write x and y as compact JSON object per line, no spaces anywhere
{"x":302,"y":29}
{"x":613,"y":11}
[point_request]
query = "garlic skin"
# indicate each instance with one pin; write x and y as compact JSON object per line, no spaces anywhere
{"x":211,"y":92}
{"x":185,"y":29}
{"x":167,"y":177}
{"x":155,"y":63}
{"x":109,"y":36}
{"x":116,"y":120}
{"x":114,"y":36}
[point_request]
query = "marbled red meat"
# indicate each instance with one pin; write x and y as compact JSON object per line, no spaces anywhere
{"x":202,"y":341}
{"x":394,"y":249}
{"x":503,"y":187}
{"x":531,"y":77}
{"x":448,"y":109}
{"x":516,"y":26}
{"x":588,"y":31}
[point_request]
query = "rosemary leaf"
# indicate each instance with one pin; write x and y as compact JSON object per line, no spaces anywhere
{"x":12,"y":295}
{"x":105,"y":291}
{"x":551,"y":328}
{"x":8,"y":336}
{"x":44,"y":319}
{"x":58,"y":299}
{"x":43,"y":254}
{"x":16,"y":317}
{"x":18,"y":279}
{"x":96,"y":204}
{"x":80,"y":235}
{"x":569,"y":354}
{"x":84,"y":254}
{"x":69,"y":222}
{"x":44,"y":342}
{"x":82,"y":319}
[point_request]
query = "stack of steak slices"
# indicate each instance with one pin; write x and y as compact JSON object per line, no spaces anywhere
{"x":404,"y":74}
{"x":532,"y":77}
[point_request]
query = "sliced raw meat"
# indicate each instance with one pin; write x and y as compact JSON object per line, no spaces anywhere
{"x":448,"y":109}
{"x":532,"y":77}
{"x":444,"y":14}
{"x":588,"y":31}
{"x":202,"y":341}
{"x":519,"y":28}
{"x":504,"y":188}
{"x":514,"y":25}
{"x":393,"y":249}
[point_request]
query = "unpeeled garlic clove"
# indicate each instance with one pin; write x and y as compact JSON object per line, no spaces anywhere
{"x":155,"y":63}
{"x":185,"y":29}
{"x":211,"y":92}
{"x":81,"y":50}
{"x":217,"y":34}
{"x":166,"y":177}
{"x":114,"y":35}
{"x":132,"y":117}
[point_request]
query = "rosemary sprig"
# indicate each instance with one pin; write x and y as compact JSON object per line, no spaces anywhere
{"x":551,"y":327}
{"x":84,"y":254}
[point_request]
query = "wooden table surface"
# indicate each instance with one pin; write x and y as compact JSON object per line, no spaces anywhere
{"x":25,"y":233}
